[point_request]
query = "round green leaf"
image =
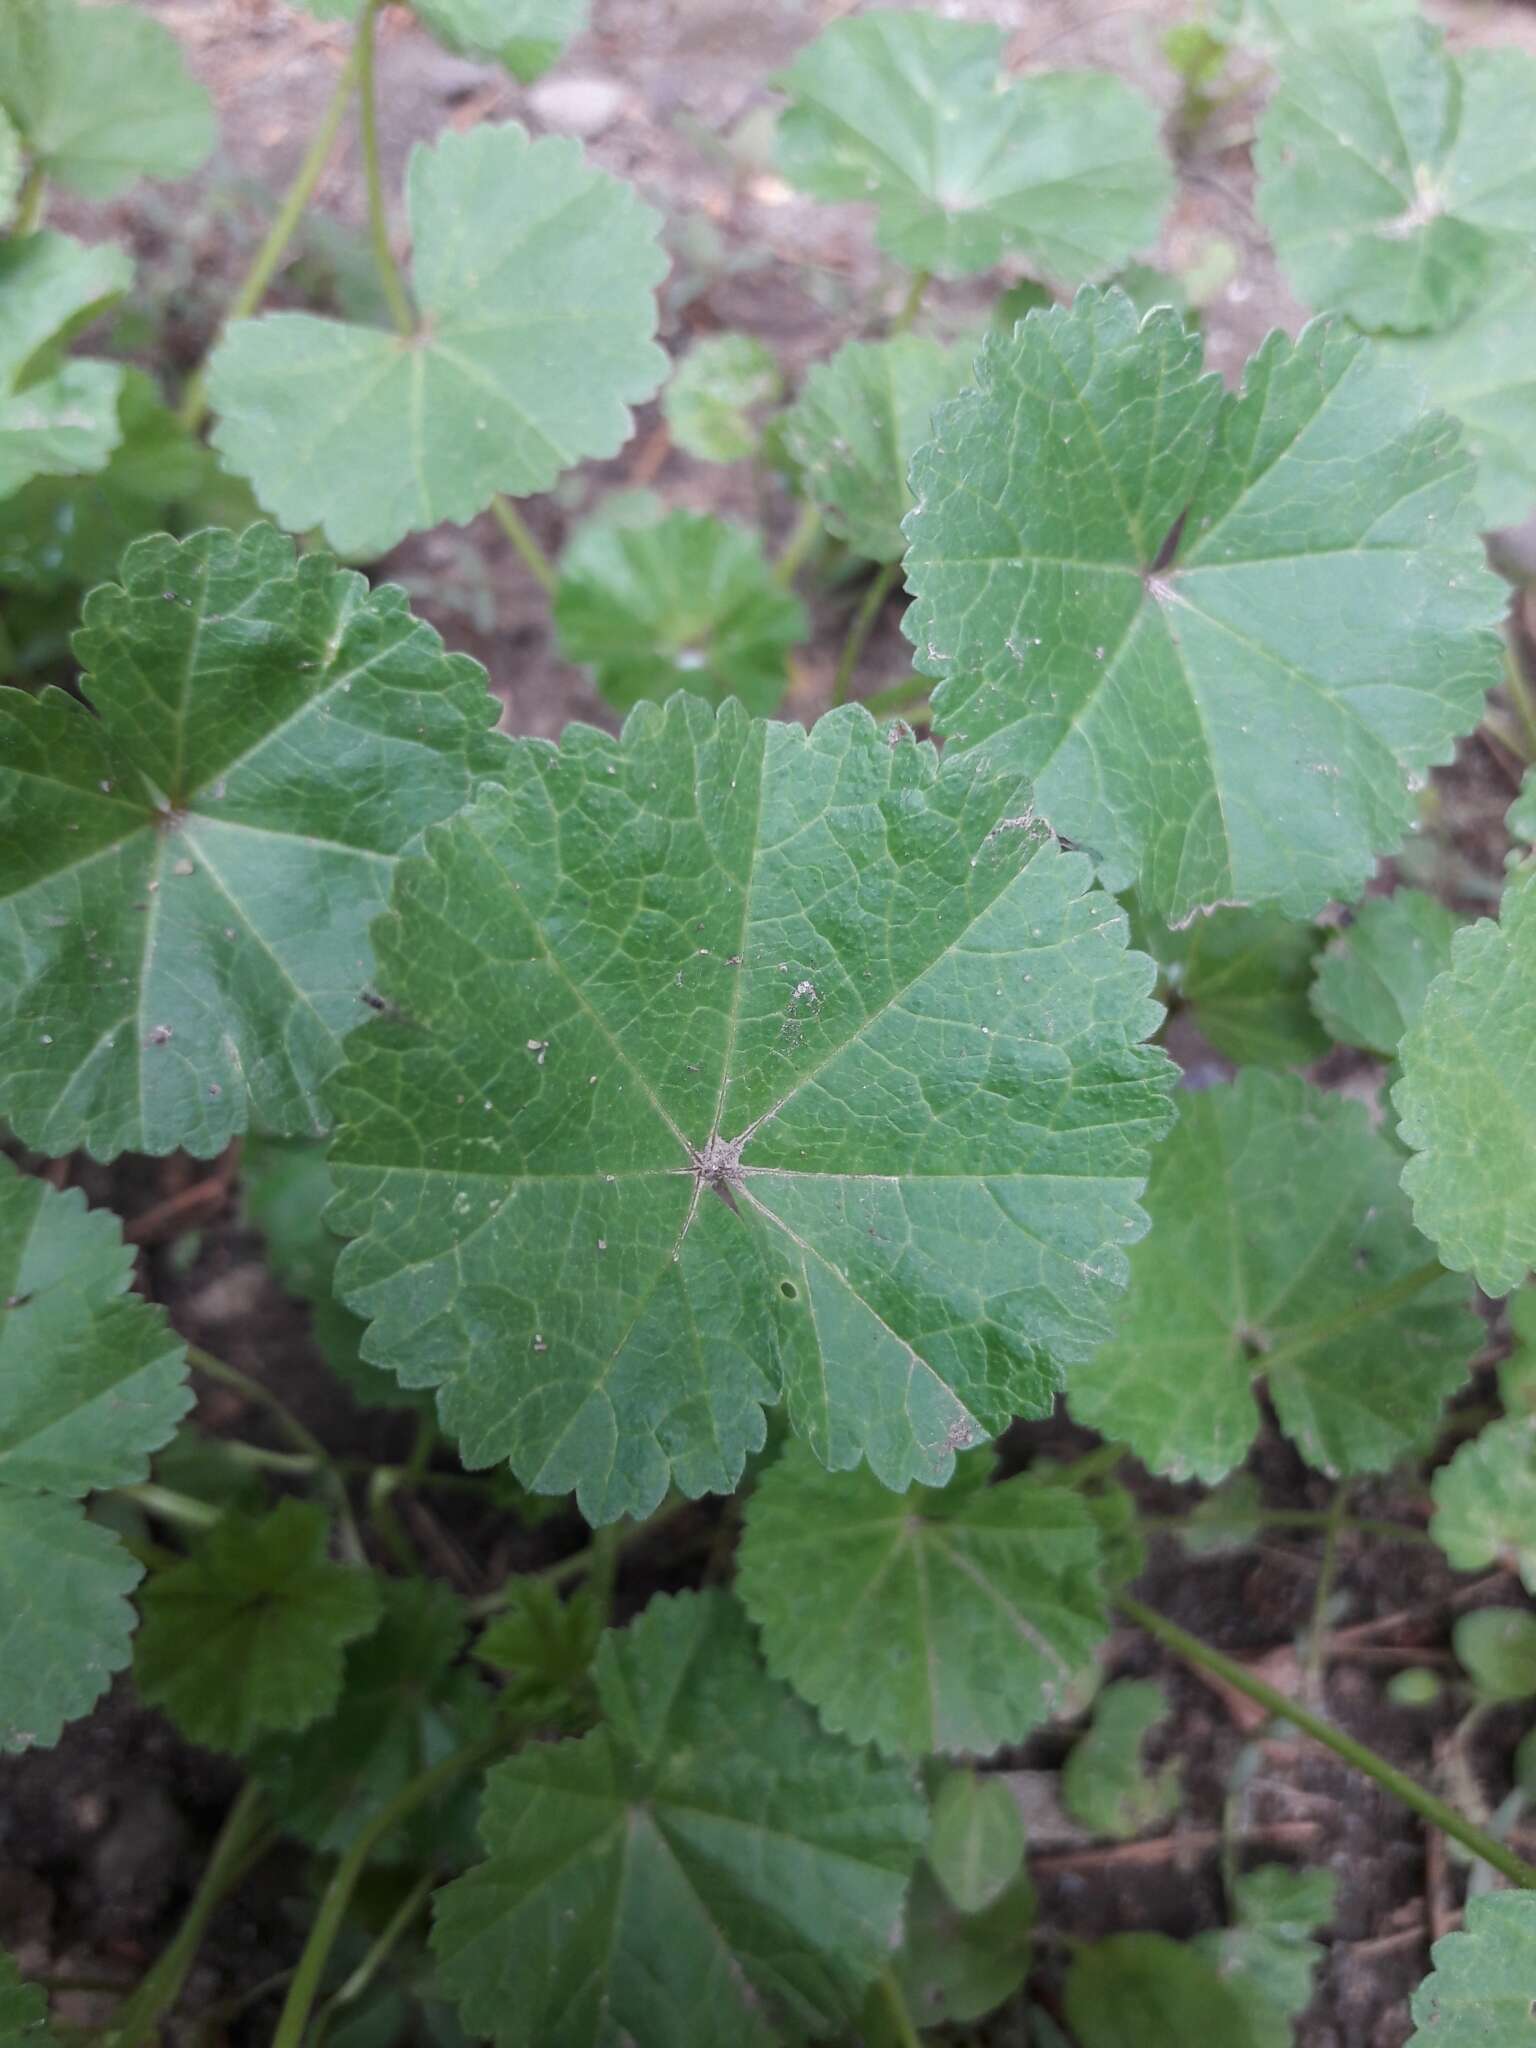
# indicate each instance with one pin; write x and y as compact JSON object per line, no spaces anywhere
{"x":1485,"y":1500}
{"x":1372,"y":981}
{"x":1221,"y":632}
{"x":1281,"y":1247}
{"x":1467,"y":1099}
{"x":533,"y":275}
{"x":714,"y":391}
{"x":681,"y":602}
{"x":188,"y":877}
{"x":65,"y":1618}
{"x":57,"y":418}
{"x":1158,"y":1993}
{"x":1398,"y":181}
{"x":101,"y":95}
{"x":1104,"y":1785}
{"x":1064,"y":169}
{"x":1496,"y":1647}
{"x":734,"y":1063}
{"x":946,"y":1620}
{"x":857,"y":424}
{"x":248,"y":1634}
{"x":1481,"y":1990}
{"x":976,"y":1839}
{"x":954,"y":1966}
{"x":707,"y":1866}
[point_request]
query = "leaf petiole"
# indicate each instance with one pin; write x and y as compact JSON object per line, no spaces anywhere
{"x":862,"y":626}
{"x":378,"y":219}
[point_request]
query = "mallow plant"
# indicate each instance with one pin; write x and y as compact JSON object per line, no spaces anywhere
{"x":733,"y":1125}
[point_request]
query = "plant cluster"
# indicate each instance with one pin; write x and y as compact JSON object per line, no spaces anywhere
{"x":728,"y":1107}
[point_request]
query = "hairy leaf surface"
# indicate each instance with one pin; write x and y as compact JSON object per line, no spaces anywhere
{"x":732,"y":1063}
{"x":1064,"y":168}
{"x":533,"y":275}
{"x":1372,"y":981}
{"x":707,"y":1866}
{"x":1220,"y":631}
{"x":57,"y":417}
{"x":188,"y":876}
{"x":938,"y":1620}
{"x":1479,"y":1994}
{"x":1281,"y":1247}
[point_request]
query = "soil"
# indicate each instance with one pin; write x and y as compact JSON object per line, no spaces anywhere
{"x":103,"y":1838}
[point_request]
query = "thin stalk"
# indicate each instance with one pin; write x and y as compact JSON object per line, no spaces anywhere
{"x":1328,"y":1570}
{"x":896,"y":2006}
{"x":253,"y":286}
{"x":512,"y":524}
{"x":899,"y":696}
{"x":29,"y":203}
{"x":1403,"y":1788}
{"x":570,"y":1567}
{"x":859,"y":630}
{"x":803,"y":537}
{"x":378,"y":1955}
{"x":1524,"y":699}
{"x":170,"y":1506}
{"x":912,"y":304}
{"x":1095,"y":1464}
{"x":239,"y":1844}
{"x":1296,"y":1518}
{"x":305,"y":1987}
{"x":378,"y":219}
{"x":301,"y":1438}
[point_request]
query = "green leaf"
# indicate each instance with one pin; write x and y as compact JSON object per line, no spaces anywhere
{"x":524,"y":35}
{"x":1157,"y":1993}
{"x":954,"y":1967}
{"x":533,"y":275}
{"x":12,"y":174}
{"x":1220,"y":631}
{"x":833,"y":977}
{"x":1269,"y":1958}
{"x":707,"y":1866}
{"x":1272,"y":27}
{"x":1485,"y":1501}
{"x":189,"y":876}
{"x":101,"y":95}
{"x":287,"y":1187}
{"x":1414,"y":1688}
{"x":65,"y":1617}
{"x":1467,"y":1100}
{"x":681,"y":602}
{"x":404,"y":1706}
{"x":1479,"y":1995}
{"x":1283,"y":1249}
{"x":92,"y":1379}
{"x":23,"y":2008}
{"x":1496,"y":1647}
{"x":57,"y":418}
{"x":976,"y":1839}
{"x":856,"y":426}
{"x":713,"y":393}
{"x":1398,"y":181}
{"x":948,"y":1620}
{"x":1480,"y":371}
{"x":1104,"y":1784}
{"x":546,"y":1645}
{"x":1064,"y":169}
{"x":1246,"y":974}
{"x":1372,"y":981}
{"x":247,"y":1635}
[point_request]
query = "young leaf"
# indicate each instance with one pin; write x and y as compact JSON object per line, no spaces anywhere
{"x":734,"y":1063}
{"x":1485,"y":1500}
{"x":713,"y":393}
{"x":1064,"y":169}
{"x":247,"y":1634}
{"x":65,"y":1617}
{"x":1284,"y":1248}
{"x":976,"y":1840}
{"x":1220,"y":631}
{"x":1496,"y":1647}
{"x":101,"y":95}
{"x":681,"y":602}
{"x":857,"y":424}
{"x":1479,"y":1995}
{"x":57,"y":418}
{"x":1269,"y":1956}
{"x":952,"y":1966}
{"x":1372,"y":981}
{"x":524,"y":35}
{"x":1396,"y":180}
{"x":1104,"y":1784}
{"x":403,"y":1707}
{"x":1246,"y":975}
{"x":1467,"y":1099}
{"x":533,"y":276}
{"x":706,"y":1866}
{"x":945,"y":1620}
{"x":189,"y":876}
{"x":1157,"y":1993}
{"x":1480,"y":372}
{"x":546,"y":1645}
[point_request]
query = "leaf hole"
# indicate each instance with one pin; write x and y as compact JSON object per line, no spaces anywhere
{"x":789,"y":1290}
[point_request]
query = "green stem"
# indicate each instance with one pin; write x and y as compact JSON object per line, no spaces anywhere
{"x":378,"y":1955}
{"x":912,"y":304}
{"x":899,"y":696}
{"x":896,"y":2006}
{"x":1524,"y":699}
{"x":860,"y":629}
{"x":170,"y":1506}
{"x":378,"y":218}
{"x":233,"y":1853}
{"x":1403,"y":1788}
{"x":29,"y":203}
{"x":803,"y":537}
{"x":305,"y":1987}
{"x":1095,"y":1464}
{"x":1294,"y":1518}
{"x":301,"y":1438}
{"x":537,"y":563}
{"x":253,"y":286}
